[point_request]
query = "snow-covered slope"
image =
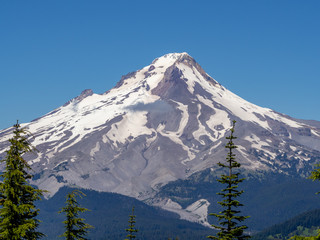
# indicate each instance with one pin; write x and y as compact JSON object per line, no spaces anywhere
{"x":161,"y":123}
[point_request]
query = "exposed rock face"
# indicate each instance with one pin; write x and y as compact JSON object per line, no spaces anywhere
{"x":159,"y":124}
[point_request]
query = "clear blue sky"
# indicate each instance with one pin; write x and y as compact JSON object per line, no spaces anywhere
{"x":266,"y":51}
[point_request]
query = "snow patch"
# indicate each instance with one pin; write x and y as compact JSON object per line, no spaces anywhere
{"x":175,"y":136}
{"x":315,"y":133}
{"x":95,"y":149}
{"x":200,"y":209}
{"x":196,"y":212}
{"x":253,"y":164}
{"x":201,"y":129}
{"x":132,"y":125}
{"x":220,"y":118}
{"x":260,"y":145}
{"x":293,"y":148}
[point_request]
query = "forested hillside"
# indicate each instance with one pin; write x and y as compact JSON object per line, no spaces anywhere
{"x":304,"y":224}
{"x":109,"y":214}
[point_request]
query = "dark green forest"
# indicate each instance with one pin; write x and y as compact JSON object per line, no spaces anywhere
{"x":304,"y":224}
{"x":109,"y":214}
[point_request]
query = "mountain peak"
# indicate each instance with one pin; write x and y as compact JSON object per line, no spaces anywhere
{"x":163,"y":122}
{"x":165,"y":65}
{"x":171,"y":57}
{"x":171,"y":76}
{"x":176,"y":55}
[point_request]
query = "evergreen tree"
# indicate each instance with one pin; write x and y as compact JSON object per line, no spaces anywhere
{"x":18,"y":212}
{"x":75,"y":226}
{"x":228,"y":218}
{"x":315,"y":174}
{"x":132,"y":230}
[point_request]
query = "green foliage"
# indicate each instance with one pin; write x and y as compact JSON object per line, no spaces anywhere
{"x":18,"y":213}
{"x":306,"y":238}
{"x":228,"y":218}
{"x":315,"y":175}
{"x":75,"y":226}
{"x":304,"y":225}
{"x":284,"y":233}
{"x":132,"y":230}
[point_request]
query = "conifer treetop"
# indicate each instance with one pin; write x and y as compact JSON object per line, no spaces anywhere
{"x":18,"y":212}
{"x":229,"y":217}
{"x":131,"y":230}
{"x":75,"y":226}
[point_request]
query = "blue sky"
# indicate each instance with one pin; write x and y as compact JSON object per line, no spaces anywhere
{"x":266,"y":51}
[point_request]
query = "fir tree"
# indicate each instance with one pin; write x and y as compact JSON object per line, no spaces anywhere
{"x":132,"y":230}
{"x":75,"y":226}
{"x":18,"y":212}
{"x":228,"y":218}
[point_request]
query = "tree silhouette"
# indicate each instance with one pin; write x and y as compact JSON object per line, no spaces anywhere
{"x":228,"y":218}
{"x":18,"y":212}
{"x":75,"y":226}
{"x":132,"y":230}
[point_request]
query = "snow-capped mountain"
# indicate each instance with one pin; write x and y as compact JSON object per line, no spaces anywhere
{"x":161,"y":123}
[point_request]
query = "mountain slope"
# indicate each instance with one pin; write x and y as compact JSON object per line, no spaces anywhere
{"x":164,"y":122}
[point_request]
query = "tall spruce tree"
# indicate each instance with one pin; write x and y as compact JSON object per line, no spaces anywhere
{"x":228,"y":218}
{"x":131,"y":230}
{"x":75,"y":226}
{"x":18,"y":212}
